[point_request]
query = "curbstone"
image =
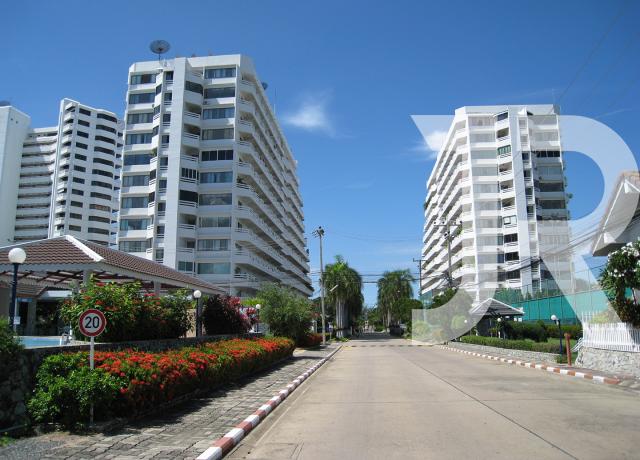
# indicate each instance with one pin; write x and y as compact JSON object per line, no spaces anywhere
{"x":543,"y":367}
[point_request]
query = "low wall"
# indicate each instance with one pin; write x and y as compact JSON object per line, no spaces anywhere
{"x":18,"y":377}
{"x":525,"y":355}
{"x":622,"y":363}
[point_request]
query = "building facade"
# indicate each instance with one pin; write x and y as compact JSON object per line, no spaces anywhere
{"x":209,"y":184}
{"x":496,"y":198}
{"x":70,"y":177}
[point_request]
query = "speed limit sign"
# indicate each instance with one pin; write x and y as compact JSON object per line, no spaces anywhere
{"x":92,"y":322}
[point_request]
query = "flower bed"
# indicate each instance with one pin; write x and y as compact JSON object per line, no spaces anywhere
{"x":527,"y":345}
{"x":128,"y":382}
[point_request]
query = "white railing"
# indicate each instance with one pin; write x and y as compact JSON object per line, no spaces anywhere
{"x":611,"y":336}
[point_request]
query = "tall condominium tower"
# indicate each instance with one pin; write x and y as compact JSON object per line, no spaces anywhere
{"x":70,"y":177}
{"x":496,"y":194}
{"x":209,"y":184}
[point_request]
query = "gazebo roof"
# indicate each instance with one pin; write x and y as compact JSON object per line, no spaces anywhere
{"x":58,"y":262}
{"x":493,"y":307}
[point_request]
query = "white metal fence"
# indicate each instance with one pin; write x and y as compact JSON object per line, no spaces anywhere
{"x":611,"y":336}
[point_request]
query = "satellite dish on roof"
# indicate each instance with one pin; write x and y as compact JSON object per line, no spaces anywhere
{"x":265,"y":85}
{"x":159,"y":47}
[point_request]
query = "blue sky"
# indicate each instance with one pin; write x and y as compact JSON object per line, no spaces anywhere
{"x":345,"y":78}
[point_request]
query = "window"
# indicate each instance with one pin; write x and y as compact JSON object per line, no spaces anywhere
{"x":547,"y":153}
{"x":99,"y":207}
{"x":513,"y":238}
{"x":504,"y":132}
{"x":80,"y":157}
{"x":168,"y":75}
{"x":193,"y":87}
{"x":103,"y":162}
{"x":549,"y":170}
{"x":104,"y":150}
{"x":220,"y":112}
{"x":77,"y":192}
{"x":142,"y":138}
{"x":215,"y":134}
{"x":82,"y":134}
{"x":139,"y":159}
{"x":225,"y":91}
{"x":141,"y":98}
{"x":135,"y":181}
{"x":133,"y":246}
{"x":104,"y":116}
{"x":513,"y":275}
{"x":80,"y":145}
{"x":186,"y":195}
{"x":144,"y":117}
{"x":509,"y":221}
{"x":216,"y":155}
{"x":224,"y":72}
{"x":213,"y":245}
{"x":105,"y":139}
{"x":511,"y":256}
{"x":220,"y":221}
{"x":502,"y":116}
{"x":99,"y":231}
{"x":483,"y":155}
{"x":552,"y":204}
{"x":160,"y":230}
{"x":106,"y":128}
{"x":187,"y":173}
{"x":162,"y":206}
{"x":488,"y":223}
{"x":135,"y":202}
{"x":216,"y":177}
{"x":166,"y":117}
{"x":102,"y":196}
{"x":83,"y":123}
{"x":143,"y":78}
{"x":76,"y":204}
{"x":551,"y":186}
{"x":100,"y":172}
{"x":546,"y":136}
{"x":164,"y":139}
{"x":97,"y":183}
{"x":104,"y":220}
{"x":77,"y":180}
{"x":168,"y":97}
{"x":159,"y":254}
{"x":485,"y":170}
{"x":74,"y":215}
{"x":485,"y":188}
{"x":162,"y":184}
{"x":85,"y":112}
{"x":158,"y":89}
{"x":505,"y":150}
{"x":185,"y":266}
{"x":75,"y":228}
{"x":483,"y":137}
{"x":217,"y":199}
{"x":214,"y":269}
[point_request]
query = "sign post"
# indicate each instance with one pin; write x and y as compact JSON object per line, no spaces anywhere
{"x":92,"y":323}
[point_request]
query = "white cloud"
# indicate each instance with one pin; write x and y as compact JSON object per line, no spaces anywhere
{"x":312,"y":114}
{"x":431,"y":144}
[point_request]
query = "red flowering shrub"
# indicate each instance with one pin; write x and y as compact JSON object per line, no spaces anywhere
{"x":310,"y":340}
{"x":223,"y":315}
{"x":132,"y":381}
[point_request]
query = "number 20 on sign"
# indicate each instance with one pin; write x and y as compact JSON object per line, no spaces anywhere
{"x":92,"y":324}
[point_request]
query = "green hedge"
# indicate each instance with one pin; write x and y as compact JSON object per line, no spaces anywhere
{"x":527,"y":345}
{"x":520,"y":331}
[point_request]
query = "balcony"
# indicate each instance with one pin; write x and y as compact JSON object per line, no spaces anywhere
{"x":191,"y":140}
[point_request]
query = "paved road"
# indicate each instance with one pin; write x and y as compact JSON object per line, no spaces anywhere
{"x":381,"y":399}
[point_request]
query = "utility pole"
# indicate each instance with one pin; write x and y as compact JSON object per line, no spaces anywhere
{"x":448,"y":234}
{"x":319,"y":233}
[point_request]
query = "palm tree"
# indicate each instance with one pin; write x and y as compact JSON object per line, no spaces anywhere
{"x":393,"y":287}
{"x":344,"y":289}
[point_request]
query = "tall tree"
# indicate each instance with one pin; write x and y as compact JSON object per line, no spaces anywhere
{"x":393,"y":287}
{"x":343,"y":286}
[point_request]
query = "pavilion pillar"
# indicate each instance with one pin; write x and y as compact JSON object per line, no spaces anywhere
{"x":31,"y":317}
{"x":156,"y":288}
{"x":86,"y":276}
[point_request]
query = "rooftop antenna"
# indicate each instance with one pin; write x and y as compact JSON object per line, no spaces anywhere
{"x":159,"y":47}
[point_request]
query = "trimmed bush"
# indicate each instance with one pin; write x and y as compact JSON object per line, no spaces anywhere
{"x":511,"y":344}
{"x":520,"y":331}
{"x":310,"y":340}
{"x":287,"y":313}
{"x":222,"y":315}
{"x":574,"y":329}
{"x":125,"y":383}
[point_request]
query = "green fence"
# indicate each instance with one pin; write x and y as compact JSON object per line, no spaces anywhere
{"x":588,"y":302}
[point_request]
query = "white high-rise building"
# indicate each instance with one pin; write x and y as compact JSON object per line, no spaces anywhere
{"x":69,"y":177}
{"x":497,"y":186}
{"x":13,"y":128}
{"x":209,"y":184}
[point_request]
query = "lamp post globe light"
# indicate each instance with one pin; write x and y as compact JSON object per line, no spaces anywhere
{"x":258,"y":307}
{"x":556,"y":320}
{"x":196,"y":295}
{"x":17,"y":256}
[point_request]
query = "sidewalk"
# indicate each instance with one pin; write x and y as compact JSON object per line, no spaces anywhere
{"x":182,"y":432}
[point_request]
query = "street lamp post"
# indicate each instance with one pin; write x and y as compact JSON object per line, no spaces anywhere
{"x":320,"y":233}
{"x":500,"y":328}
{"x":17,"y":256}
{"x":196,"y":295}
{"x":555,"y":319}
{"x":258,"y":307}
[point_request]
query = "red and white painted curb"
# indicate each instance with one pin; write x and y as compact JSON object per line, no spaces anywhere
{"x":542,"y":367}
{"x":227,"y":442}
